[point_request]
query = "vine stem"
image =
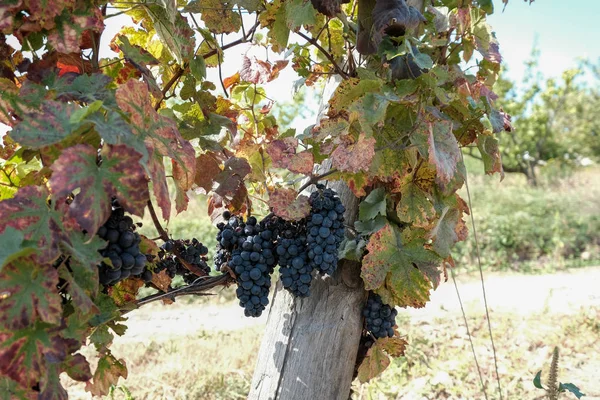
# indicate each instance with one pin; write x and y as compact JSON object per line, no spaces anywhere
{"x":181,"y":70}
{"x":316,"y":178}
{"x":196,"y":288}
{"x":312,"y":41}
{"x":161,"y":231}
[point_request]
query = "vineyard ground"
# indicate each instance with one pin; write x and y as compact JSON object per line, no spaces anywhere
{"x":206,"y":349}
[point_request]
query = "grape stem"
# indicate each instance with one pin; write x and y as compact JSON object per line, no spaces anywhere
{"x":199,"y":287}
{"x":161,"y":231}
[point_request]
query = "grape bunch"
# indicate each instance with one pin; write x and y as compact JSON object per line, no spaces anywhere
{"x":123,"y":248}
{"x":192,"y":251}
{"x":325,"y":230}
{"x":294,"y":268}
{"x":380,"y":318}
{"x":230,"y":232}
{"x":252,"y":260}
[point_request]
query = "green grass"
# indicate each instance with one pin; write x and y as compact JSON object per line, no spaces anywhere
{"x":532,"y":229}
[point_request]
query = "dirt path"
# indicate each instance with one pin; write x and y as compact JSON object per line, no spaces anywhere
{"x":563,"y":292}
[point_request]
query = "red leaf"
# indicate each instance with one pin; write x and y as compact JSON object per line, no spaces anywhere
{"x":354,"y":157}
{"x":286,"y":204}
{"x":231,"y":80}
{"x":207,"y":168}
{"x":25,"y":354}
{"x":78,"y":368}
{"x":119,"y":175}
{"x":162,"y":139}
{"x":283,"y":153}
{"x":232,"y":176}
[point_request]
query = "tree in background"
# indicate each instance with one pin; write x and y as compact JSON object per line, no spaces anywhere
{"x":555,"y":121}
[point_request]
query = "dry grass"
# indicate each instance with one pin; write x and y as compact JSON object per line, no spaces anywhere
{"x":438,"y":363}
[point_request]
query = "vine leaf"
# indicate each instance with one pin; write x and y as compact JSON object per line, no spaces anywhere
{"x":77,"y":367}
{"x":373,"y":205}
{"x":162,"y":139}
{"x":119,"y":175}
{"x":300,"y":13}
{"x":207,"y":168}
{"x":81,"y":298}
{"x":25,"y":354}
{"x":12,"y":246}
{"x":284,"y":155}
{"x":449,"y":229}
{"x":490,"y":154}
{"x":414,"y":206}
{"x":125,"y":291}
{"x":107,"y":373}
{"x":232,"y":177}
{"x":351,"y":90}
{"x":444,"y":152}
{"x":394,"y":346}
{"x":401,"y":271}
{"x":376,"y":361}
{"x":48,"y":125}
{"x":286,"y":204}
{"x":28,"y":288}
{"x":174,"y":30}
{"x":275,"y":17}
{"x":354,"y":157}
{"x":562,"y":387}
{"x":255,"y":71}
{"x":218,"y":16}
{"x":28,"y":212}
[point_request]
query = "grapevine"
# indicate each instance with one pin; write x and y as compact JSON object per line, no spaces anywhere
{"x":148,"y":127}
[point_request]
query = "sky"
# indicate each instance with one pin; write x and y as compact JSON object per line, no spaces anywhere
{"x":564,"y":31}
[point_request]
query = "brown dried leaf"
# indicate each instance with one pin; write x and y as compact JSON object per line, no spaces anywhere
{"x":354,"y":157}
{"x":286,"y":204}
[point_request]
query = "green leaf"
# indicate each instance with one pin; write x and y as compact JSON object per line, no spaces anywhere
{"x":275,"y":17}
{"x":351,"y":90}
{"x":370,"y":226}
{"x":28,"y":212}
{"x":219,"y":16}
{"x":77,"y":367}
{"x":119,"y":175}
{"x":571,"y":388}
{"x":49,"y":125}
{"x":375,"y":362}
{"x":80,"y":114}
{"x":487,"y":6}
{"x":352,"y":249}
{"x":29,"y":293}
{"x":490,"y":154}
{"x":135,"y":53}
{"x":11,"y":246}
{"x":114,"y":130}
{"x":174,"y":31}
{"x":537,"y":381}
{"x":373,"y":205}
{"x":198,"y":67}
{"x":400,"y":270}
{"x":414,"y":206}
{"x":423,"y":61}
{"x":300,"y":13}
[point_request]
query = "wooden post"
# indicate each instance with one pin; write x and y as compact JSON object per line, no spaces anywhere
{"x":309,"y":346}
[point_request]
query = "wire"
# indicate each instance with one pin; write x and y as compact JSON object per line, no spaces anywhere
{"x":487,"y":312}
{"x":469,"y":333}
